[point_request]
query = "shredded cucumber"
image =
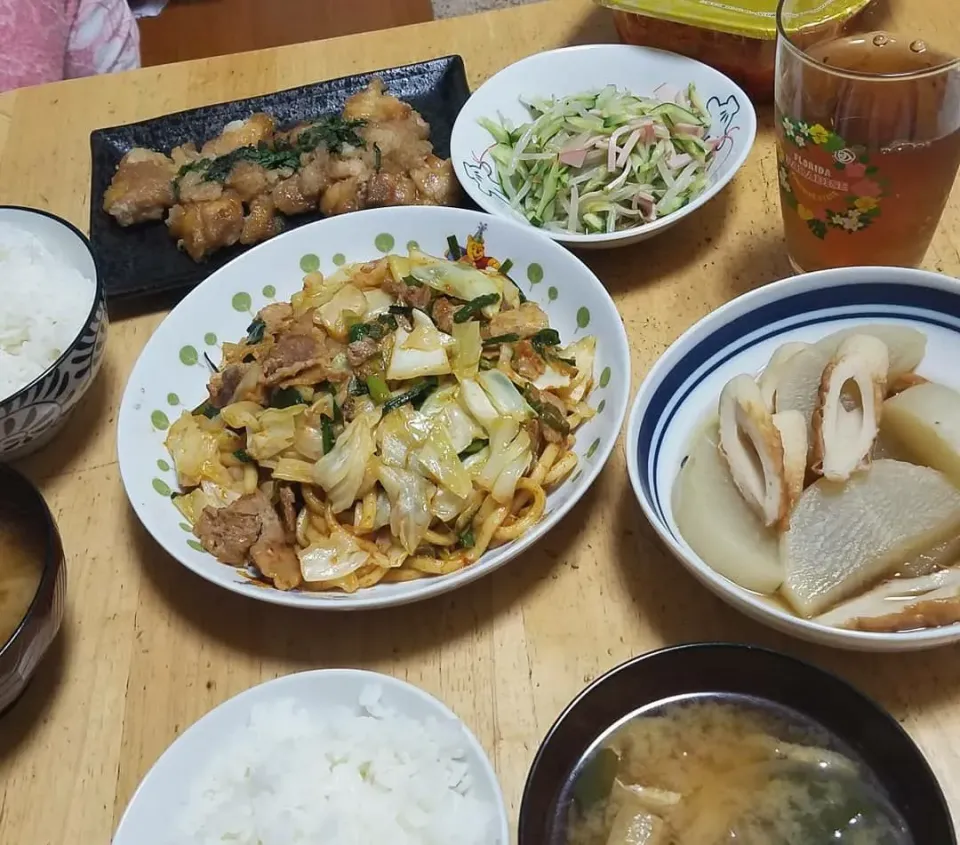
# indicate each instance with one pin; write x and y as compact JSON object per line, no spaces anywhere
{"x":604,"y":161}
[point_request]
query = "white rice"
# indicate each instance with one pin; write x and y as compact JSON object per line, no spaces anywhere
{"x":44,"y":303}
{"x":344,"y":776}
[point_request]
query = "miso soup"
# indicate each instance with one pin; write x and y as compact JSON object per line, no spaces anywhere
{"x":708,"y":770}
{"x":21,"y":567}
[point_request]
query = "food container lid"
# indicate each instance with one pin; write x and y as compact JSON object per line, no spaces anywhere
{"x":749,"y":18}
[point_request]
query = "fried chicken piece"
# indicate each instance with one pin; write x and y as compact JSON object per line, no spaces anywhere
{"x":314,"y":175}
{"x":184,"y":154}
{"x":436,"y":183}
{"x":240,"y":133}
{"x":289,"y":199}
{"x":249,"y":180}
{"x":261,"y":222}
{"x":142,"y":187}
{"x":342,"y":197}
{"x":204,"y":227}
{"x":384,"y":189}
{"x":192,"y":187}
{"x":374,"y":104}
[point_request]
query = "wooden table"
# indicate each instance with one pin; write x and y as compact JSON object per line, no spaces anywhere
{"x":197,"y":29}
{"x":147,"y":648}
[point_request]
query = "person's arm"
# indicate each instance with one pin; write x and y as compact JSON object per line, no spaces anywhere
{"x":104,"y":38}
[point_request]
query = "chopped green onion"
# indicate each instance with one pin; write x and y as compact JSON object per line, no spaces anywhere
{"x":474,"y":306}
{"x":467,"y":540}
{"x":284,"y":397}
{"x":549,"y":414}
{"x":454,"y":247}
{"x":255,"y":331}
{"x":379,"y":392}
{"x":357,"y":388}
{"x":415,"y":394}
{"x":505,"y":266}
{"x":501,"y":338}
{"x":242,"y":456}
{"x":544,"y":338}
{"x":474,"y":447}
{"x":205,"y":409}
{"x":326,"y":433}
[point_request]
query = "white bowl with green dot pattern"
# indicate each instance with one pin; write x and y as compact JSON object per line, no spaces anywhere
{"x":171,"y":373}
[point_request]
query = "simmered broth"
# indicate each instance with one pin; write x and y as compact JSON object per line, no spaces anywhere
{"x":708,"y":770}
{"x":21,"y":567}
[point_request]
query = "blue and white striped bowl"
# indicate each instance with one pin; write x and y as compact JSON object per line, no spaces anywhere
{"x":684,"y":385}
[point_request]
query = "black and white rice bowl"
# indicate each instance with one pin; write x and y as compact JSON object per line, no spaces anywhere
{"x":36,"y":412}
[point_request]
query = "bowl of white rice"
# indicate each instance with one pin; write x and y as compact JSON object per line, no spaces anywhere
{"x":53,"y":326}
{"x":338,"y":756}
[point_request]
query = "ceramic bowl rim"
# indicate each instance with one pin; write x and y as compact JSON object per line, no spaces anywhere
{"x":362,"y":600}
{"x":671,"y":651}
{"x":439,"y":707}
{"x":97,"y":298}
{"x":729,"y":592}
{"x":611,"y":238}
{"x":52,"y":561}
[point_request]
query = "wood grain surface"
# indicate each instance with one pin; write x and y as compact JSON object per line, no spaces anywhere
{"x":147,"y":648}
{"x":198,"y":29}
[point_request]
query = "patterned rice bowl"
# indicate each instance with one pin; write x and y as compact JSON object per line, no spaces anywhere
{"x":172,"y":372}
{"x":35,"y":414}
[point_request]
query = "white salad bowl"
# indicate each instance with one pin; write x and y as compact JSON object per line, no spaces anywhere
{"x":589,"y":68}
{"x":171,"y":374}
{"x":683,"y":387}
{"x":159,"y":805}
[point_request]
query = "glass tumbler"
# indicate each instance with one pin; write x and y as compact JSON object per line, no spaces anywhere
{"x":868,"y":128}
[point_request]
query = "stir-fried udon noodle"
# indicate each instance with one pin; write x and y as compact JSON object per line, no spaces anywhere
{"x":390,"y":422}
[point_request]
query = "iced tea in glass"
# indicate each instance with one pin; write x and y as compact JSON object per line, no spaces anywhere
{"x":868,"y":130}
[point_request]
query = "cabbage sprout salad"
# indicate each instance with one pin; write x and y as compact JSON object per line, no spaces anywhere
{"x":602,"y":162}
{"x":391,"y":421}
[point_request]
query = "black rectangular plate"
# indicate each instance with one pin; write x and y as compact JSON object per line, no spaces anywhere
{"x":144,"y":259}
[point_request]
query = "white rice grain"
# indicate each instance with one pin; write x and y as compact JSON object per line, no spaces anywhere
{"x":44,"y":303}
{"x":345,"y":776}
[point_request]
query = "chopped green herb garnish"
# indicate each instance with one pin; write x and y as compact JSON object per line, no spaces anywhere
{"x":472,"y":308}
{"x":379,"y":392}
{"x":544,"y":338}
{"x":284,"y":397}
{"x":357,"y":388}
{"x":550,"y":415}
{"x":337,"y":413}
{"x":454,"y":247}
{"x":242,"y":456}
{"x":496,"y":340}
{"x":376,"y":329}
{"x":331,"y":132}
{"x":473,"y":448}
{"x":255,"y":331}
{"x":505,"y":266}
{"x":326,"y":433}
{"x":414,"y":395}
{"x":467,"y":540}
{"x":205,"y":409}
